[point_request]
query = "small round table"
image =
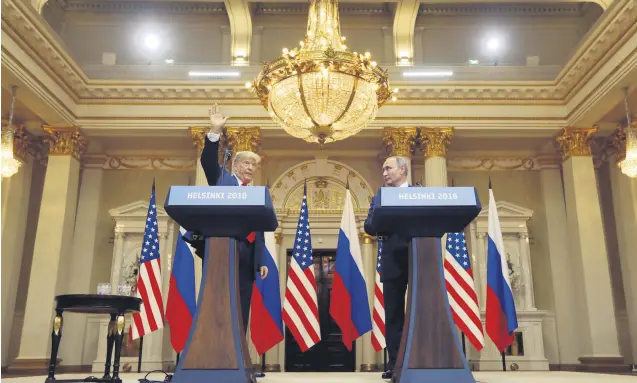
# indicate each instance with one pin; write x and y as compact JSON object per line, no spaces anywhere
{"x":115,"y":305}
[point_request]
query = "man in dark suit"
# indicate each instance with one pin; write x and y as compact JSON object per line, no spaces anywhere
{"x":394,"y":265}
{"x":252,"y":247}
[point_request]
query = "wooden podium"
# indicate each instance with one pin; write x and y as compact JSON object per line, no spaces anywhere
{"x":430,"y":349}
{"x":216,"y":350}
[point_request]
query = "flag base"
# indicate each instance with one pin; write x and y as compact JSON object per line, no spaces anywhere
{"x":429,"y":349}
{"x":217,"y":350}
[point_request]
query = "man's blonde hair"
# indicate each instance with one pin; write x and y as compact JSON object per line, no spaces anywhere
{"x":240,"y":156}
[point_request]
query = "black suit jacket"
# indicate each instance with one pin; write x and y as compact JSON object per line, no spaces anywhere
{"x":250,"y":254}
{"x":394,"y":261}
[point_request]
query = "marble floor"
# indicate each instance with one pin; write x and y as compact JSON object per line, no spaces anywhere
{"x":481,"y":377}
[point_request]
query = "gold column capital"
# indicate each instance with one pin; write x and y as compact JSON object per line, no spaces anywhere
{"x":435,"y":141}
{"x":400,"y":141}
{"x":575,"y":142}
{"x":246,"y":139}
{"x":198,"y":135}
{"x":617,"y":142}
{"x":365,"y":238}
{"x":22,"y":143}
{"x":278,"y":237}
{"x":65,"y":141}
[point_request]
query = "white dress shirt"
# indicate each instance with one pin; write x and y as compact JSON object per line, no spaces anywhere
{"x":404,"y":185}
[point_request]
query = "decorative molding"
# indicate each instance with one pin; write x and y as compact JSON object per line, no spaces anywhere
{"x":198,"y":135}
{"x":148,"y":163}
{"x":575,"y":142}
{"x":400,"y":141}
{"x":435,"y":141}
{"x":65,"y":141}
{"x":569,"y":9}
{"x":303,"y":9}
{"x":244,"y":139}
{"x":489,"y":164}
{"x":175,"y":7}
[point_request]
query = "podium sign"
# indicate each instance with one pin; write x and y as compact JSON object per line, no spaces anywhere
{"x":430,"y":350}
{"x":216,"y":350}
{"x":222,"y":211}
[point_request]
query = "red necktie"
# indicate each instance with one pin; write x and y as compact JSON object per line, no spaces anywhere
{"x":252,"y":236}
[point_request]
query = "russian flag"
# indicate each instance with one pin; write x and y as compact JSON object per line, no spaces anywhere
{"x":266,"y":324}
{"x":501,"y":318}
{"x":181,"y":305}
{"x":349,"y":304}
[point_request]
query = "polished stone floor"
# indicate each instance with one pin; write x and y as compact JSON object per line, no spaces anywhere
{"x":481,"y":377}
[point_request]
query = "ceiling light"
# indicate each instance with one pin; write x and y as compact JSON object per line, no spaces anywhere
{"x":428,"y":74}
{"x":169,"y":61}
{"x":151,"y":41}
{"x":493,"y":44}
{"x":474,"y":62}
{"x":213,"y":74}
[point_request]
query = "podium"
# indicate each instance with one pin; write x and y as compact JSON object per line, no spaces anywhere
{"x":430,"y":349}
{"x":216,"y":350}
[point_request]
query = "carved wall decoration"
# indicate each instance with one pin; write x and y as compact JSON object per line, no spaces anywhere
{"x":123,"y":163}
{"x":326,"y":182}
{"x":488,"y":164}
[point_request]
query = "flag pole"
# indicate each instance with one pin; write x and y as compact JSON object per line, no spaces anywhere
{"x":504,"y":365}
{"x":385,"y":359}
{"x":178,"y":358}
{"x":464,"y":346}
{"x":139,"y":358}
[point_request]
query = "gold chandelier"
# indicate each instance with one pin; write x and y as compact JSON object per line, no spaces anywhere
{"x":629,"y":164}
{"x":321,"y":92}
{"x":9,"y":165}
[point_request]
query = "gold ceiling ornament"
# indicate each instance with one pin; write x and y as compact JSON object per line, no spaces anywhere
{"x":400,"y":141}
{"x":9,"y":165}
{"x":435,"y":141}
{"x":247,"y":139}
{"x":575,"y":142}
{"x":321,"y":92}
{"x":629,"y":164}
{"x":65,"y":141}
{"x":198,"y":135}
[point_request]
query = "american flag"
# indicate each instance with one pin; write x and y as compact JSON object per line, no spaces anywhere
{"x":151,"y":314}
{"x":378,"y":329}
{"x":300,"y":308}
{"x":460,"y":289}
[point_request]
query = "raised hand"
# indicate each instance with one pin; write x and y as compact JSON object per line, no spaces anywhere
{"x":217,"y":120}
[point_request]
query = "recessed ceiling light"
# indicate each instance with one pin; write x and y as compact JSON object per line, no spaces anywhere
{"x":428,"y":74}
{"x":151,"y":41}
{"x":213,"y":74}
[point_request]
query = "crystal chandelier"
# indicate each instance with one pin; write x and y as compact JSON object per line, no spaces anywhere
{"x":321,"y":92}
{"x":8,"y":163}
{"x":629,"y":164}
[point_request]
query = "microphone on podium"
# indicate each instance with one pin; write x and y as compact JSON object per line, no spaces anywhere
{"x":418,"y":184}
{"x":226,"y":156}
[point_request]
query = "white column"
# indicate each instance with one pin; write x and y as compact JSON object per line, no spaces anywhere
{"x":369,"y":264}
{"x":625,"y":205}
{"x":53,"y":243}
{"x":85,"y":245}
{"x":418,"y":46}
{"x":435,"y":171}
{"x":15,"y":205}
{"x":388,"y":45}
{"x":560,"y":261}
{"x":597,"y":333}
{"x":283,"y":274}
{"x":435,"y":142}
{"x":118,"y":259}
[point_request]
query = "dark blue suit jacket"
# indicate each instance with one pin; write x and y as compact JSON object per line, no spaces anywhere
{"x":251,"y":255}
{"x":394,"y":258}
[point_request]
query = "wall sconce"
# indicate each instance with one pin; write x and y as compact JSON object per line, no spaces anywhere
{"x":8,"y":163}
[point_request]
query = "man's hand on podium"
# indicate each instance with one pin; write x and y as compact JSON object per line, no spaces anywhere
{"x":217,"y":120}
{"x":264,"y":272}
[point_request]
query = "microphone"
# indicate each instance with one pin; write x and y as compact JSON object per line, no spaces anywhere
{"x":226,"y":156}
{"x":418,"y":184}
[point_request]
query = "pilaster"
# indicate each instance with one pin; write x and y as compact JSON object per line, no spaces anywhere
{"x":624,"y":191}
{"x":369,"y":264}
{"x":597,"y":329}
{"x":15,"y":206}
{"x":560,"y":258}
{"x":401,"y":142}
{"x":53,"y":241}
{"x":434,"y":144}
{"x":272,"y":356}
{"x":85,"y":246}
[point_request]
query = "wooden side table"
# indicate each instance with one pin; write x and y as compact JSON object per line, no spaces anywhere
{"x":114,"y":305}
